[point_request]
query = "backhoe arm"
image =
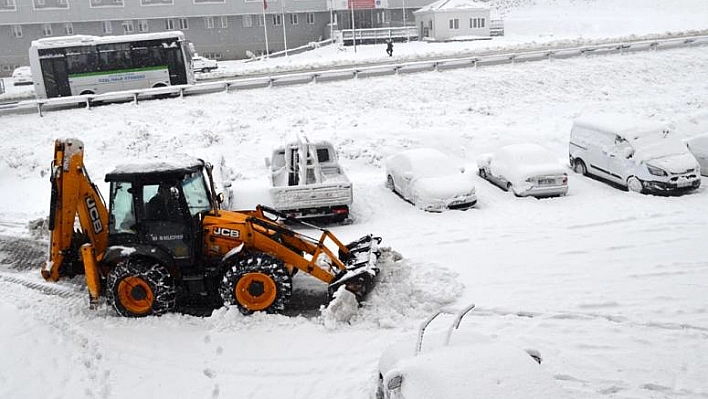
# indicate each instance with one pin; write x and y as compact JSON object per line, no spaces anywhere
{"x":73,"y":194}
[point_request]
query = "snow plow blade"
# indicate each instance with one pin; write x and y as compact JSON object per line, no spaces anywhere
{"x":360,"y":260}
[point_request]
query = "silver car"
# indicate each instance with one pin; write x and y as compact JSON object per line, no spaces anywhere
{"x":525,"y":169}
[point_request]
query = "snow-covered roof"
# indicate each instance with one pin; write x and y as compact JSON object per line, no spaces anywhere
{"x":81,"y":40}
{"x":174,"y":163}
{"x":627,"y":126}
{"x":449,"y":5}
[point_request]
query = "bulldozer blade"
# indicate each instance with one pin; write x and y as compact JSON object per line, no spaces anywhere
{"x":361,"y":264}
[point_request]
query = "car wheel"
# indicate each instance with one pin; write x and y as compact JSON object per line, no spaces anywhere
{"x":389,"y":183}
{"x":483,"y":173}
{"x":579,"y":167}
{"x":635,"y":185}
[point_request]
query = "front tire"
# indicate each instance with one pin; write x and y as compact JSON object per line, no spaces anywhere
{"x":138,"y":288}
{"x":389,"y":183}
{"x":257,"y":283}
{"x":483,"y":173}
{"x":635,"y":185}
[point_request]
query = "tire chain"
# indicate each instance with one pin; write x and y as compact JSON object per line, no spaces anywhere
{"x":258,"y":263}
{"x":156,"y":276}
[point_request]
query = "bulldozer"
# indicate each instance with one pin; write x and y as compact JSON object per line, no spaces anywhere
{"x":163,"y":244}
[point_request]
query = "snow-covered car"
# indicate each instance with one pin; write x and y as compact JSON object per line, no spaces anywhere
{"x":526,"y":169}
{"x":639,"y":154}
{"x":22,"y":76}
{"x":430,"y":180}
{"x":460,"y":366}
{"x":698,"y":146}
{"x":202,"y":64}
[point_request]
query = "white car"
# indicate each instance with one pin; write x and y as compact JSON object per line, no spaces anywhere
{"x":430,"y":180}
{"x":462,"y":365}
{"x":201,"y":64}
{"x":526,"y":169}
{"x":698,"y":146}
{"x":639,"y":154}
{"x":22,"y":76}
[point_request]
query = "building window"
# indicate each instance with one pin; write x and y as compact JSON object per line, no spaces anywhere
{"x":454,"y":23}
{"x":10,"y":3}
{"x":68,"y":28}
{"x":61,"y":2}
{"x":247,"y":21}
{"x":380,"y":17}
{"x":293,"y":19}
{"x":47,"y":29}
{"x":183,"y":24}
{"x":107,"y":27}
{"x":261,"y":20}
{"x":224,"y":22}
{"x":128,"y":27}
{"x":17,"y":30}
{"x":40,"y":3}
{"x":143,"y":26}
{"x":476,"y":22}
{"x":209,"y":22}
{"x":311,"y":18}
{"x":170,"y":24}
{"x":277,"y":19}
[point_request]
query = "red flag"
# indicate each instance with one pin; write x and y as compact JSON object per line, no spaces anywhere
{"x":265,"y":4}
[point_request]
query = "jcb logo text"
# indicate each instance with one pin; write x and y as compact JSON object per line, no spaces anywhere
{"x":220,"y":231}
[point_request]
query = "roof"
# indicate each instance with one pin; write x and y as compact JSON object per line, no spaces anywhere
{"x":174,"y":167}
{"x":451,"y":5}
{"x":627,"y":126}
{"x":84,"y":40}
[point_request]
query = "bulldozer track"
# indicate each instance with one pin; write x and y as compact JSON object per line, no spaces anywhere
{"x":21,"y":255}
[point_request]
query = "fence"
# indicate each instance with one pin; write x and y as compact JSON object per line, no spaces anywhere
{"x":136,"y":96}
{"x":375,"y":35}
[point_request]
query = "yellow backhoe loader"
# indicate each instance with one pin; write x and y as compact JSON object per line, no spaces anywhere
{"x":163,"y":244}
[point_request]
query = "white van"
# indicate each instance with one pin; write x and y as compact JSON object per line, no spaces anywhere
{"x":637,"y":154}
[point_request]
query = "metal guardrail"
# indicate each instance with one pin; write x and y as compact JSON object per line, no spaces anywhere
{"x":42,"y":105}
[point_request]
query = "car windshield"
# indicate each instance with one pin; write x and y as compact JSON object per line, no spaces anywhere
{"x":525,"y":154}
{"x":433,"y":167}
{"x":196,"y":193}
{"x":651,"y":147}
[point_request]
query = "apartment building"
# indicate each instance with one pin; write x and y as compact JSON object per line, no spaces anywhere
{"x":220,"y":29}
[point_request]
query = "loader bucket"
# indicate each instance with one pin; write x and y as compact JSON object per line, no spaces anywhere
{"x":361,"y":262}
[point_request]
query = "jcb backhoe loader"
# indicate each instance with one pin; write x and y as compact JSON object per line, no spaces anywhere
{"x":164,"y":244}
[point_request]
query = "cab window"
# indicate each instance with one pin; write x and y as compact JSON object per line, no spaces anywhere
{"x":122,"y":215}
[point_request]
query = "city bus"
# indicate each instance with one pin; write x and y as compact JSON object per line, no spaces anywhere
{"x":80,"y":64}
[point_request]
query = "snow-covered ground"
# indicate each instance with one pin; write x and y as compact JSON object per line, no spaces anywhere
{"x":609,"y":286}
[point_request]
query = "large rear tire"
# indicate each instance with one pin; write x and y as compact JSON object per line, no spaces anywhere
{"x":138,"y":288}
{"x":257,"y":283}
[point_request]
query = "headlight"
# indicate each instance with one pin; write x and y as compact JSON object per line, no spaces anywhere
{"x":656,"y":171}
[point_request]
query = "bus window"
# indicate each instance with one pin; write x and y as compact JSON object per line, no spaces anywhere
{"x":114,"y":56}
{"x":80,"y":60}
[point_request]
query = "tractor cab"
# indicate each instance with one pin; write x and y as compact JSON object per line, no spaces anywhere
{"x":157,"y":207}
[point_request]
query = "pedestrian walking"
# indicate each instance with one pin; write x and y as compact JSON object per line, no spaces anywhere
{"x":389,"y":47}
